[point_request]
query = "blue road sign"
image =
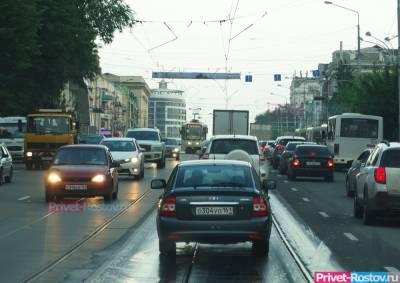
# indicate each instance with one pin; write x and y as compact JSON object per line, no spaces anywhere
{"x":248,"y":78}
{"x":277,"y":77}
{"x":315,"y":73}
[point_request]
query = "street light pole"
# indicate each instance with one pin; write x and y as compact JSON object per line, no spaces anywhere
{"x":358,"y":33}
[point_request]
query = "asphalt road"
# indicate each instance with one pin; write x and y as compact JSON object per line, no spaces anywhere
{"x":116,"y":241}
{"x":324,"y":208}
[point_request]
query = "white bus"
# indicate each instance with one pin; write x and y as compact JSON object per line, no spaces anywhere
{"x":348,"y":134}
{"x":12,"y":131}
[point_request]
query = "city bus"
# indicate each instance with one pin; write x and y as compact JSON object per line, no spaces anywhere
{"x":348,"y":134}
{"x":193,"y":134}
{"x":12,"y":135}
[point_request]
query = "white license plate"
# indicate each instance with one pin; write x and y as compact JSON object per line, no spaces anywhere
{"x":313,"y":163}
{"x":48,"y":158}
{"x":76,"y":187}
{"x":215,"y":210}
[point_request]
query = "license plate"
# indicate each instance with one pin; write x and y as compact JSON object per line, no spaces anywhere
{"x":76,"y":187}
{"x":215,"y":210}
{"x":313,"y":163}
{"x":48,"y":158}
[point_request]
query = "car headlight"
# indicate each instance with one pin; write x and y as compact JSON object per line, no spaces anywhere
{"x":176,"y":149}
{"x":54,"y":178}
{"x":197,"y":143}
{"x":134,"y":159}
{"x":189,"y":143}
{"x":99,"y":178}
{"x":29,"y":154}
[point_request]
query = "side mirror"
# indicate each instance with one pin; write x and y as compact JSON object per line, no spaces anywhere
{"x":268,"y":185}
{"x":158,"y":184}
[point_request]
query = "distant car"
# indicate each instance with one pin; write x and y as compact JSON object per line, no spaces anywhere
{"x":311,"y":161}
{"x":94,"y":139}
{"x":127,"y":153}
{"x":268,"y":148}
{"x":287,"y":154}
{"x":172,"y":148}
{"x":6,"y":165}
{"x":237,"y":147}
{"x":150,"y":140}
{"x":378,"y":184}
{"x":82,"y":171}
{"x":354,"y":169}
{"x":279,"y":146}
{"x":203,"y":149}
{"x":214,"y":201}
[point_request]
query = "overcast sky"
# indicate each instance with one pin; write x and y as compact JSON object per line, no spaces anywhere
{"x":293,"y":36}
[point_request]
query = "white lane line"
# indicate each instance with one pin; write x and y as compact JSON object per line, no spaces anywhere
{"x":306,"y":199}
{"x":294,"y":189}
{"x":351,"y":237}
{"x":392,"y":269}
{"x":323,"y":214}
{"x":24,"y":198}
{"x":285,"y":181}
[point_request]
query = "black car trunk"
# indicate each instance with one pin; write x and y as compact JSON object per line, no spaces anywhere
{"x":313,"y":161}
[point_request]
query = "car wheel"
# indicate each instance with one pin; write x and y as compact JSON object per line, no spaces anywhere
{"x":261,"y":247}
{"x":28,"y":165}
{"x":357,"y":209}
{"x":348,"y":192}
{"x":368,"y":216}
{"x":167,"y":247}
{"x":161,"y":163}
{"x":141,"y":174}
{"x":178,"y":157}
{"x":1,"y":177}
{"x":8,"y":179}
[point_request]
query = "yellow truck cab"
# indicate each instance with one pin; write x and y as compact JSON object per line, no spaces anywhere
{"x":46,"y":131}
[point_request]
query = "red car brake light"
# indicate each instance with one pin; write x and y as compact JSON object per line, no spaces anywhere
{"x":167,"y":207}
{"x":330,"y":163}
{"x":295,"y":162}
{"x":260,"y":208}
{"x":280,"y":147}
{"x":380,"y":175}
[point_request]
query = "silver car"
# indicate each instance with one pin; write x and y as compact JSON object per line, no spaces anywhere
{"x":6,"y":165}
{"x":378,"y":184}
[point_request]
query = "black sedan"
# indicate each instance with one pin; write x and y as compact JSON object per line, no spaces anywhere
{"x":351,"y":181}
{"x":214,"y":201}
{"x":311,"y":161}
{"x":287,"y":154}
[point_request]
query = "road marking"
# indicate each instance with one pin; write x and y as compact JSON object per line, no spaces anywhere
{"x":274,"y":171}
{"x":294,"y":189}
{"x":351,"y":237}
{"x":306,"y":199}
{"x":24,"y":198}
{"x":285,"y":181}
{"x":323,"y":214}
{"x":392,"y":269}
{"x":279,"y":175}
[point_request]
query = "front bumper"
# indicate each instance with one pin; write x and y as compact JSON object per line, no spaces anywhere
{"x":40,"y":156}
{"x":93,"y":189}
{"x":132,"y":168}
{"x":171,"y":153}
{"x":17,"y":155}
{"x":152,"y":156}
{"x":208,"y":231}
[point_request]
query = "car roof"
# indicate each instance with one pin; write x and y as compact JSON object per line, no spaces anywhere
{"x":290,"y":137}
{"x":391,"y":145}
{"x":144,"y":129}
{"x":100,"y":146}
{"x":118,"y":139}
{"x":311,"y":145}
{"x":214,"y":162}
{"x":242,"y":137}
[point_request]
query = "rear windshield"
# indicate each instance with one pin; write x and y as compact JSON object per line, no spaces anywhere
{"x":312,"y":151}
{"x":143,"y":135}
{"x":123,"y":146}
{"x":81,"y":156}
{"x":285,"y":141}
{"x":171,"y":142}
{"x":391,"y":158}
{"x":214,"y":176}
{"x":91,"y":139}
{"x":224,"y":146}
{"x":292,"y":145}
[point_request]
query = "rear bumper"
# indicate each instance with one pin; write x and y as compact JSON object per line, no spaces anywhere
{"x":311,"y":172}
{"x":383,"y":203}
{"x":208,"y":231}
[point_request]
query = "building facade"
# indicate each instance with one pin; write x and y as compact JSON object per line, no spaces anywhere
{"x":167,"y":110}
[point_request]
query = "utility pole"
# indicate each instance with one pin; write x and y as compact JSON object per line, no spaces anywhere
{"x":398,"y":60}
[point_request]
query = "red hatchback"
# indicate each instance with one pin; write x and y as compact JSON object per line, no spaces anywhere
{"x":82,"y":171}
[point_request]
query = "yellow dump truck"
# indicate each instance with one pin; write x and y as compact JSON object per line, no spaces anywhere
{"x":46,"y":131}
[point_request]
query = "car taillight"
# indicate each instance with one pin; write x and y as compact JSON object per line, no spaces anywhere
{"x":380,"y":175}
{"x":205,"y":156}
{"x":262,"y":148}
{"x":262,"y":159}
{"x":280,"y":147}
{"x":336,"y":148}
{"x":167,"y":207}
{"x":296,"y":162}
{"x":259,"y":207}
{"x":330,"y":163}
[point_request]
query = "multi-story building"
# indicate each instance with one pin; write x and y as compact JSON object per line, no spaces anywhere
{"x":140,"y":90}
{"x":167,"y":110}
